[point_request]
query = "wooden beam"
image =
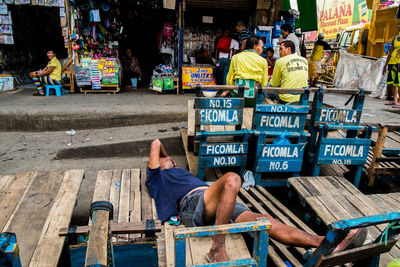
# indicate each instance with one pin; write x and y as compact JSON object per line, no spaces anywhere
{"x":115,"y":228}
{"x":96,"y":252}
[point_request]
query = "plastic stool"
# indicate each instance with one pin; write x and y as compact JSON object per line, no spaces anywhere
{"x":57,"y":89}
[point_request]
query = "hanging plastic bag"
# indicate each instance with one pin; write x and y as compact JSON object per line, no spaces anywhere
{"x":248,"y":180}
{"x":281,"y":139}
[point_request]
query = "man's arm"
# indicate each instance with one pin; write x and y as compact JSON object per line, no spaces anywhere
{"x":157,"y":151}
{"x":243,"y":45}
{"x":47,"y":71}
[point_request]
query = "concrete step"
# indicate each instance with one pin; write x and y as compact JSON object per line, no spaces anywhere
{"x":39,"y":122}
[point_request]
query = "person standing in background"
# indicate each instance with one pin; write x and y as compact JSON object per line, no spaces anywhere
{"x":225,"y":49}
{"x":393,"y":61}
{"x":244,"y":34}
{"x":271,"y":60}
{"x":288,"y":35}
{"x":314,"y":62}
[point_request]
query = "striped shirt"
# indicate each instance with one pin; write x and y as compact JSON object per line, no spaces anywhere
{"x":244,"y":34}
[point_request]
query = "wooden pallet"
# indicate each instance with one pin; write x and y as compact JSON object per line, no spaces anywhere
{"x":387,"y":202}
{"x":126,"y":190}
{"x":35,"y":206}
{"x":335,"y":198}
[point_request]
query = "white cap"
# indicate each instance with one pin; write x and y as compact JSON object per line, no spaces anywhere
{"x":321,"y":35}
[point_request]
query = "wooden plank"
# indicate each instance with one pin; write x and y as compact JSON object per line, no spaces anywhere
{"x":235,"y":248}
{"x":162,"y":260}
{"x":191,"y":118}
{"x":115,"y":188}
{"x":355,"y":254}
{"x":50,"y":243}
{"x":300,"y":189}
{"x":124,"y":199}
{"x":12,"y":196}
{"x":116,"y":228}
{"x":96,"y":252}
{"x":330,"y":188}
{"x":247,"y":118}
{"x":320,"y":210}
{"x":34,"y":209}
{"x":153,"y":209}
{"x":277,"y":214}
{"x":146,"y":200}
{"x":102,"y":187}
{"x":342,"y":190}
{"x":316,"y":183}
{"x":135,"y":203}
{"x":314,"y":191}
{"x":169,"y":245}
{"x":192,"y":160}
{"x":299,"y":223}
{"x":5,"y":181}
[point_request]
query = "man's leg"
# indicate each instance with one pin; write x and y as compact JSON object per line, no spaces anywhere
{"x":283,"y":233}
{"x":219,"y":203}
{"x":39,"y":84}
{"x":395,"y":92}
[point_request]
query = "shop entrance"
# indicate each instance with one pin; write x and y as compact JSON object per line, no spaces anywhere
{"x":35,"y":30}
{"x":143,"y":24}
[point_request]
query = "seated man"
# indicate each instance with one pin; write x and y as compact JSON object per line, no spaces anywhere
{"x":248,"y":68}
{"x":51,"y":74}
{"x":290,"y":71}
{"x":178,"y":191}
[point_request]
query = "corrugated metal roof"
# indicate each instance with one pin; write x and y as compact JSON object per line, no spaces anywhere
{"x":227,"y":4}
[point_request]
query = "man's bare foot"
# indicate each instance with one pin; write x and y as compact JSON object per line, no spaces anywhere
{"x":217,"y":256}
{"x":218,"y":252}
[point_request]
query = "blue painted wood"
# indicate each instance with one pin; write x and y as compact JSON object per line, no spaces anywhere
{"x":241,"y":262}
{"x":243,"y":132}
{"x":180,"y":252}
{"x":343,"y":151}
{"x":219,"y":116}
{"x":218,"y":103}
{"x":281,"y":109}
{"x":222,"y":161}
{"x":338,"y":116}
{"x":278,"y":133}
{"x":365,"y":221}
{"x":280,"y":152}
{"x":223,"y":149}
{"x":279,"y":122}
{"x":338,"y":231}
{"x":391,"y":151}
{"x":279,"y":166}
{"x":274,"y":183}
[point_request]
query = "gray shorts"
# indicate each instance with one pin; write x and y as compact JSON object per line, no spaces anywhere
{"x":192,"y":209}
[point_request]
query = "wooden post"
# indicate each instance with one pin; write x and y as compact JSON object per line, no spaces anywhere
{"x":96,"y":252}
{"x":380,"y":142}
{"x":69,"y":48}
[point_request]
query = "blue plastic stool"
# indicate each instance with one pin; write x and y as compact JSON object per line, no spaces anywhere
{"x":57,"y":89}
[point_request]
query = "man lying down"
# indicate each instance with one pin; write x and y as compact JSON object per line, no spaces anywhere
{"x":177,"y":191}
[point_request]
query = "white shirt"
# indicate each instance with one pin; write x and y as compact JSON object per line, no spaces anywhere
{"x":234,"y":45}
{"x":292,"y":37}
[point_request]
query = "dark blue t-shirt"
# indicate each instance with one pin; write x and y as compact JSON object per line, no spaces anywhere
{"x":168,"y":187}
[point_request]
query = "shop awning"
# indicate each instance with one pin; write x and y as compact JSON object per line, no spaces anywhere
{"x":308,"y":13}
{"x":223,"y":4}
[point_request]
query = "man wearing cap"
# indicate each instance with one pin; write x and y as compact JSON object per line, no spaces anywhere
{"x":315,"y":60}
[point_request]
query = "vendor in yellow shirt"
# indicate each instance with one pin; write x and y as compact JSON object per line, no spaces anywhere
{"x":314,"y":63}
{"x":248,"y":68}
{"x":51,"y":74}
{"x":290,"y":71}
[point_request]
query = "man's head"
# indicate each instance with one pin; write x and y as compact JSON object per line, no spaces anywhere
{"x":286,"y":48}
{"x":270,"y":52}
{"x":321,"y":36}
{"x":255,"y":43}
{"x":51,"y":54}
{"x":225,"y":33}
{"x":240,"y":25}
{"x":128,"y":52}
{"x":286,"y":30}
{"x":167,"y":163}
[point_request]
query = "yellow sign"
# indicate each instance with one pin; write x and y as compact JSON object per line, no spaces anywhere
{"x":334,"y":15}
{"x":196,"y":75}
